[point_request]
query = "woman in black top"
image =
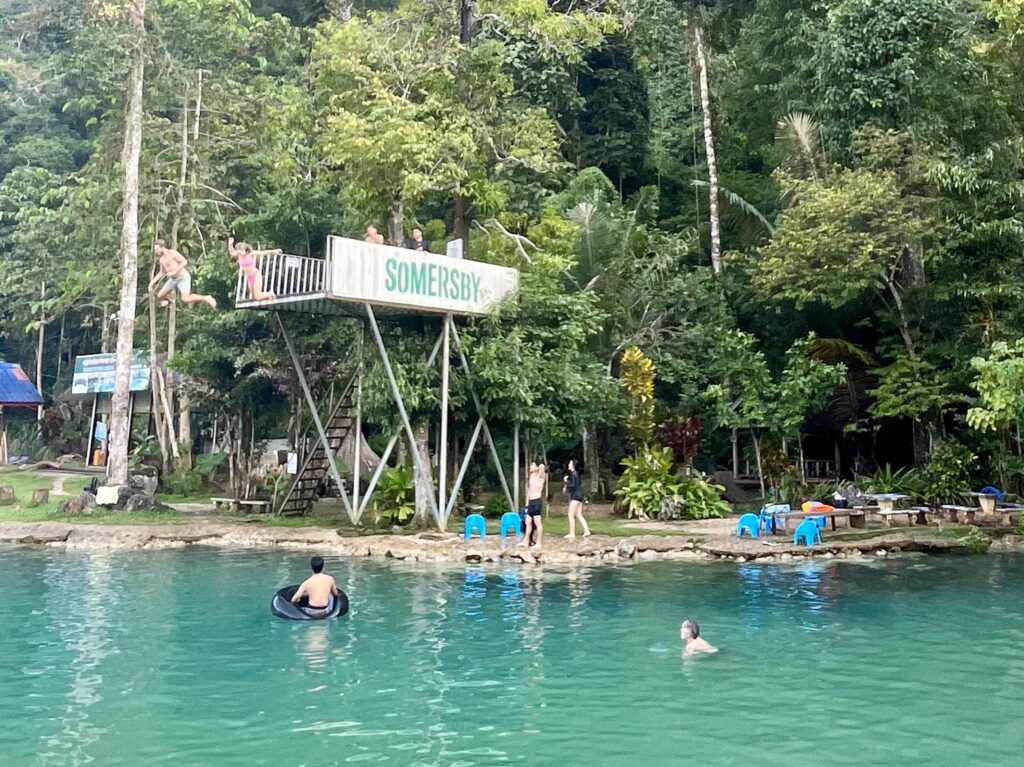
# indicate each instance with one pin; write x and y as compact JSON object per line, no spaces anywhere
{"x":574,"y":484}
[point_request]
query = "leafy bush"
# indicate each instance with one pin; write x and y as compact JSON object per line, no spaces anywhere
{"x":704,"y":499}
{"x":885,"y":480}
{"x":650,"y":477}
{"x":948,"y":473}
{"x":396,"y":494}
{"x":186,"y":482}
{"x":682,"y":437}
{"x":975,"y":542}
{"x":496,"y":506}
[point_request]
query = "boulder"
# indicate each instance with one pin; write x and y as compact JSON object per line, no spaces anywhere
{"x":73,"y":507}
{"x":625,"y":549}
{"x":142,"y":483}
{"x":6,"y":493}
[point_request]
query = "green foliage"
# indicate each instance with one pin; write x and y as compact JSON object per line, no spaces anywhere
{"x":975,"y":542}
{"x":396,"y":494}
{"x":703,"y":499}
{"x":947,"y":475}
{"x":999,"y":382}
{"x":888,"y":480}
{"x":649,"y":478}
{"x":495,"y":506}
{"x":637,"y":381}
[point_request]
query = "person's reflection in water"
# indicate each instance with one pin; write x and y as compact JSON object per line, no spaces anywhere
{"x":474,"y":591}
{"x":313,"y":643}
{"x":513,"y":604}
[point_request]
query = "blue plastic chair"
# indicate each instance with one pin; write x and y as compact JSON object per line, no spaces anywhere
{"x":750,"y":523}
{"x":819,"y":521}
{"x":989,"y":490}
{"x":808,"y":530}
{"x":476,"y":523}
{"x":770,"y":513}
{"x":510,"y":523}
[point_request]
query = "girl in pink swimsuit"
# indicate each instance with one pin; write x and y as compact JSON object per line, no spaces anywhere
{"x":246,"y":257}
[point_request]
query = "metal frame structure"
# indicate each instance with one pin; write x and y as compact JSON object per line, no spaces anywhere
{"x":443,"y":504}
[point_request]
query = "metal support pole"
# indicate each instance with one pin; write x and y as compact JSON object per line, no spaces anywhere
{"x":479,"y":409}
{"x":359,"y":441}
{"x":515,"y":463}
{"x":377,"y":472}
{"x":462,"y":469}
{"x":442,"y":463}
{"x":92,"y":431}
{"x":316,"y":420}
{"x":417,"y":460}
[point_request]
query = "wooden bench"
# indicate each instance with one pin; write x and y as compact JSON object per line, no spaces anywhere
{"x":235,"y":504}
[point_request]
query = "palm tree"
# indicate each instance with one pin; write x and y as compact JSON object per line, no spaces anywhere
{"x":697,"y":24}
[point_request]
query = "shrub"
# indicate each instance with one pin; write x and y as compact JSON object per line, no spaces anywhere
{"x":948,"y":473}
{"x":650,"y":477}
{"x":704,"y":499}
{"x":885,"y":480}
{"x":396,"y":494}
{"x":682,"y":437}
{"x":496,"y":506}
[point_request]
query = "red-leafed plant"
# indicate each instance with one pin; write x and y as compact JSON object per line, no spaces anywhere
{"x":682,"y":437}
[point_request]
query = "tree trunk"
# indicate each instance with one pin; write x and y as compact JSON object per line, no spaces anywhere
{"x":396,"y":222}
{"x":424,"y":484}
{"x":462,"y":220}
{"x":709,"y":147}
{"x":592,"y":460}
{"x":757,"y":455}
{"x":117,"y":467}
{"x":39,"y":348}
{"x":901,"y":314}
{"x":105,"y":330}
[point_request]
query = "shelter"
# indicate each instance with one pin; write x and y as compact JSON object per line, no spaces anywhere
{"x":361,"y":279}
{"x":16,"y":390}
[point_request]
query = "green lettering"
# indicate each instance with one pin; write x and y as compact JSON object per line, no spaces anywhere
{"x":432,"y":284}
{"x":403,"y":277}
{"x":418,"y":279}
{"x":476,"y":288}
{"x":390,"y":278}
{"x":453,"y":287}
{"x":464,"y":294}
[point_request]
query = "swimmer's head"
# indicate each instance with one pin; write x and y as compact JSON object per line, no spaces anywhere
{"x":317,"y":564}
{"x":689,"y":630}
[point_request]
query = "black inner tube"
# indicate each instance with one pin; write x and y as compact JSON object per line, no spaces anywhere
{"x":281,"y":606}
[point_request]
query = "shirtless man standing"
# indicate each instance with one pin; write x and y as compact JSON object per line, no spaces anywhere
{"x":689,"y":632}
{"x":535,"y":485}
{"x":318,"y":590}
{"x":172,"y":266}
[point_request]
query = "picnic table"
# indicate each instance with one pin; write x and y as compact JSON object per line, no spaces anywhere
{"x":854,"y":517}
{"x":886,"y":501}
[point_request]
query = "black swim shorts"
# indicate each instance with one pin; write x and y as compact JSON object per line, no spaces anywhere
{"x":534,"y":507}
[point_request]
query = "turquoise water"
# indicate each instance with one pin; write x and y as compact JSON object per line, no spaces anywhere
{"x":173,"y":658}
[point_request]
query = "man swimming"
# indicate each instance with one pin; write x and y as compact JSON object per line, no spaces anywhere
{"x":689,"y":632}
{"x":317,"y":589}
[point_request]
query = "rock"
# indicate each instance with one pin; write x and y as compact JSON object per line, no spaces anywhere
{"x":6,"y":493}
{"x":786,"y":557}
{"x":73,"y":507}
{"x":881,"y":553}
{"x":109,"y":495}
{"x":138,"y":502}
{"x":625,"y":549}
{"x":397,"y":530}
{"x":140,"y":483}
{"x":829,"y":555}
{"x":671,"y":508}
{"x":88,"y":501}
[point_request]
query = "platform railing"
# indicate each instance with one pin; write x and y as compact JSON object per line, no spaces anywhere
{"x":286,"y":276}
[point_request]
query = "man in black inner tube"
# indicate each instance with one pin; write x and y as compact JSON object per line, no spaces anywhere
{"x":318,"y":590}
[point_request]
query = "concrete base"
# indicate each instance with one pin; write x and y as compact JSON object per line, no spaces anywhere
{"x":107,"y":495}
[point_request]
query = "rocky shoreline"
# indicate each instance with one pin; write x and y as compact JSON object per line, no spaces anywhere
{"x":452,"y":548}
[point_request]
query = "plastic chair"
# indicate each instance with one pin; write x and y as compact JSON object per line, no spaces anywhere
{"x":770,"y":513}
{"x":808,"y":530}
{"x":476,"y":523}
{"x":995,"y":491}
{"x":819,"y":521}
{"x":750,"y":523}
{"x":510,"y":523}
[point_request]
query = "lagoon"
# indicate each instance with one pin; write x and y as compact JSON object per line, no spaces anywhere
{"x":173,"y":657}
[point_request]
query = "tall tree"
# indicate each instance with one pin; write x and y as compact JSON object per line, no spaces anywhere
{"x":120,"y":426}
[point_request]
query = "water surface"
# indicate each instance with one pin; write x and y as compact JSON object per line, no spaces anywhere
{"x":173,"y":658}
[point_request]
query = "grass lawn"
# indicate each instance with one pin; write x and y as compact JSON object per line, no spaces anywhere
{"x":22,"y":509}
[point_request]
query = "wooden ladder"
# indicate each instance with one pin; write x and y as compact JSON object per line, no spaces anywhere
{"x":315,"y":467}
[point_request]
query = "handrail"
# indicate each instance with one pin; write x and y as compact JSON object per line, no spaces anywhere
{"x":285,"y":275}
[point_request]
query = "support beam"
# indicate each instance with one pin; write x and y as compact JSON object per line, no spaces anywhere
{"x":462,"y":469}
{"x":479,"y":409}
{"x":442,"y":461}
{"x":403,"y":414}
{"x":515,"y":463}
{"x":313,"y":411}
{"x":358,"y":438}
{"x":376,"y":474}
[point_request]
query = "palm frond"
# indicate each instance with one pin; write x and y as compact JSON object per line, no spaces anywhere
{"x":741,"y":204}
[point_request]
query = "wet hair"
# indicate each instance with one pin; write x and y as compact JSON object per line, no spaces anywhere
{"x":317,"y":564}
{"x":693,"y":627}
{"x":244,"y":247}
{"x":159,"y":244}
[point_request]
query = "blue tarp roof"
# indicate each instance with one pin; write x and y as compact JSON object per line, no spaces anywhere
{"x":15,"y":388}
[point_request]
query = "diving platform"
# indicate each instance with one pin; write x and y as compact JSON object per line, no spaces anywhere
{"x":395,"y":281}
{"x":366,"y":281}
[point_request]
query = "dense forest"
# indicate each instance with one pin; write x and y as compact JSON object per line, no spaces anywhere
{"x":792,"y":225}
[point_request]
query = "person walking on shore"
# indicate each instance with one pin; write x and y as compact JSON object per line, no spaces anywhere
{"x":574,"y":484}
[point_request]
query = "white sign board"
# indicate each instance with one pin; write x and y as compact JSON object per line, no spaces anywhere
{"x":454,"y":248}
{"x":380,"y":274}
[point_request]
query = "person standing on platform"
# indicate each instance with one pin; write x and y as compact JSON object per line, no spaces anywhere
{"x":417,"y":242}
{"x":535,"y":485}
{"x":574,"y":484}
{"x":373,"y":236}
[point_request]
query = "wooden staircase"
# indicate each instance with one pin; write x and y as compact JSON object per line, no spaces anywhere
{"x":314,"y":468}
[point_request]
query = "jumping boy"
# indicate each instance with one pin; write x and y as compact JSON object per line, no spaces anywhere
{"x":173,"y":267}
